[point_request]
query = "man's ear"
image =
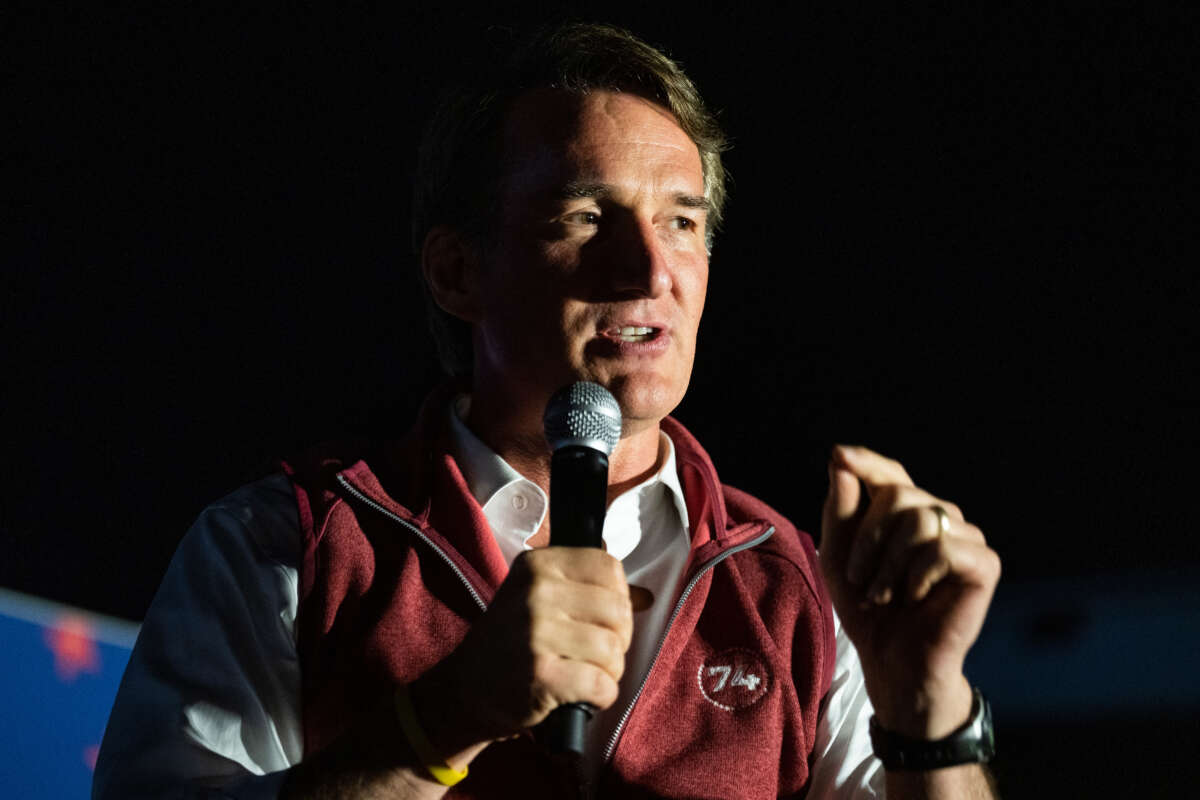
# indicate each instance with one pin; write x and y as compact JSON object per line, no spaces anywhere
{"x":451,"y":269}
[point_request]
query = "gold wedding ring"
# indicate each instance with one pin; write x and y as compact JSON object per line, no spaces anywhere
{"x":943,"y":520}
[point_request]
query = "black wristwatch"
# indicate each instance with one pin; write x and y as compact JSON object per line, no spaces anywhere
{"x":973,"y":743}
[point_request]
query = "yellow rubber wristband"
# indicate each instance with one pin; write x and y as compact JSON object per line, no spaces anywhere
{"x":442,"y":772}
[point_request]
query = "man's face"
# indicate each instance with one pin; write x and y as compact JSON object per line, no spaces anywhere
{"x":600,"y":267}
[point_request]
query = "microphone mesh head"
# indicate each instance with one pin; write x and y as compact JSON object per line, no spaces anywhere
{"x":583,"y":414}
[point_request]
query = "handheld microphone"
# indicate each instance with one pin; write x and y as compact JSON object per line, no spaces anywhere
{"x":582,"y":424}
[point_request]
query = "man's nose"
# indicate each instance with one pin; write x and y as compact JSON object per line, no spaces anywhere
{"x":640,"y":264}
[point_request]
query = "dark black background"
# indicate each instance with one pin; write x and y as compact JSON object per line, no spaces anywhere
{"x":958,"y":236}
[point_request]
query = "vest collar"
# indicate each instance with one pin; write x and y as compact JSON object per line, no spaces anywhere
{"x":419,"y":480}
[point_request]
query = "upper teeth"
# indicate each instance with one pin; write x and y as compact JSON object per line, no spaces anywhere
{"x":636,"y":331}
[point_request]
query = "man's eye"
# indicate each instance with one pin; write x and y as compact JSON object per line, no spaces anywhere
{"x":685,"y":223}
{"x":584,"y":218}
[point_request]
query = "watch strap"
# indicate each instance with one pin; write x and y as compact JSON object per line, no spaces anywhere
{"x":973,"y":743}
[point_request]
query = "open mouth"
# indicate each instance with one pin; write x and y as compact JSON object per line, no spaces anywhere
{"x":628,"y":337}
{"x":633,"y":333}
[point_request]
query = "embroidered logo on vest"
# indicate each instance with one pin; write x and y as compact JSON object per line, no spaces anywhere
{"x":733,"y":678}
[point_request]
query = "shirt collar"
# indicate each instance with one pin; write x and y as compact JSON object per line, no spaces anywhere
{"x":485,"y":471}
{"x":491,"y":479}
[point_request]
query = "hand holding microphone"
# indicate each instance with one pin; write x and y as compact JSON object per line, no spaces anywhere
{"x":554,"y":638}
{"x":582,"y":424}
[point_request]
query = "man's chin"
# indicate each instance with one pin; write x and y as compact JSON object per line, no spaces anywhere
{"x":644,"y":402}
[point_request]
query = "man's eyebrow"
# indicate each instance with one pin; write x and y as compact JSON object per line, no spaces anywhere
{"x":576,"y":190}
{"x":693,"y":201}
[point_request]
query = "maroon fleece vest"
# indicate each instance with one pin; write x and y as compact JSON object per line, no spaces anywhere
{"x":399,"y":561}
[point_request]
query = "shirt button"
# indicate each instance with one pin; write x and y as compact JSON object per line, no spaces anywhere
{"x":519,"y":502}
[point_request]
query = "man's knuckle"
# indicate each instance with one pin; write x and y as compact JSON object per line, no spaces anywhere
{"x":604,"y":689}
{"x":613,"y":642}
{"x":541,"y":596}
{"x":620,"y":602}
{"x":544,"y":668}
{"x":598,"y":644}
{"x":541,"y":635}
{"x":993,"y":562}
{"x":889,"y":496}
{"x":974,"y":533}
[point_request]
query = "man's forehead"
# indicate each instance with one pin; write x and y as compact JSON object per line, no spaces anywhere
{"x":543,"y":114}
{"x":548,"y":133}
{"x":551,"y":113}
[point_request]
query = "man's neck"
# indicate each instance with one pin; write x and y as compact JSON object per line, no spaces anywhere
{"x":516,"y":435}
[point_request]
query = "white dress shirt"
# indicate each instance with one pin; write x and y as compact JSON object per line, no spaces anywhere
{"x":646,"y":528}
{"x":211,"y":696}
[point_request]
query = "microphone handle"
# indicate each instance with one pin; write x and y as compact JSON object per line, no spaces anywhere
{"x":578,"y":496}
{"x":578,"y":501}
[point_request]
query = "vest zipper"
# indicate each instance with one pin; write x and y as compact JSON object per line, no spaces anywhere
{"x":454,"y":567}
{"x":662,"y":639}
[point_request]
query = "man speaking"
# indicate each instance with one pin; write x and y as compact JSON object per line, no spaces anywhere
{"x":393,"y":620}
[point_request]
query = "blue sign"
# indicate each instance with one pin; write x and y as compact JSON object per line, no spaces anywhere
{"x":59,"y":671}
